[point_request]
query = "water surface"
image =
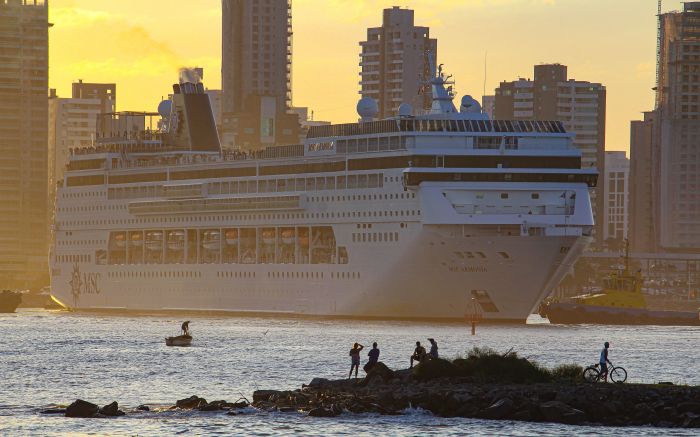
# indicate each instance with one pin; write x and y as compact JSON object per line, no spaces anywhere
{"x":55,"y":357}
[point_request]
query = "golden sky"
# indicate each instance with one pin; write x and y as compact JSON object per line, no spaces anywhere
{"x":140,"y":45}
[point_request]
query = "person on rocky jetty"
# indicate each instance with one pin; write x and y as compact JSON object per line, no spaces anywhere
{"x":373,"y":357}
{"x":418,"y":354}
{"x":604,"y":361}
{"x":433,"y":349}
{"x":355,"y":358}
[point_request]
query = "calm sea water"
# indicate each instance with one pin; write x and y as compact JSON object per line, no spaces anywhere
{"x":51,"y":358}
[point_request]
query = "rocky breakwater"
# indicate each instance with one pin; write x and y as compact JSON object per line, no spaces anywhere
{"x":85,"y":409}
{"x":487,"y":385}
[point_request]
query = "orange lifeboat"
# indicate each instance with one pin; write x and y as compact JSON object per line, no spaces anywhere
{"x":211,"y":239}
{"x":288,"y":236}
{"x":268,"y":236}
{"x":120,"y":240}
{"x":137,"y":239}
{"x":154,"y":240}
{"x":231,"y":236}
{"x":176,"y":240}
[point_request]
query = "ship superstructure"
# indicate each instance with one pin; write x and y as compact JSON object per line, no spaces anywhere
{"x":409,"y":217}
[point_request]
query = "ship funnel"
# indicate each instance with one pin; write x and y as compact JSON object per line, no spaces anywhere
{"x":191,"y":122}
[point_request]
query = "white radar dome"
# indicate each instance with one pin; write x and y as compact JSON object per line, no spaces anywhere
{"x":405,"y":110}
{"x":367,"y":108}
{"x":469,"y":104}
{"x":164,"y":108}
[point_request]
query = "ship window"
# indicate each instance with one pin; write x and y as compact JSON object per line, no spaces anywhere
{"x":535,"y":195}
{"x":504,"y":195}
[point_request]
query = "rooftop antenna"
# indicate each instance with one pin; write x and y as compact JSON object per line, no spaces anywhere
{"x":486,"y":54}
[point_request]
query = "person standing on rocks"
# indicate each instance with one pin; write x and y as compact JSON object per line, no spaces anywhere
{"x":433,"y":349}
{"x":373,"y":357}
{"x":604,"y":361}
{"x":355,"y":358}
{"x":418,"y":354}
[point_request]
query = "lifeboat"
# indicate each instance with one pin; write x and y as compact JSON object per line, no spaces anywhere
{"x":268,"y":237}
{"x":210,"y":240}
{"x":136,"y":239}
{"x":176,"y":240}
{"x":231,"y":236}
{"x":154,"y":240}
{"x":120,"y":240}
{"x":288,"y":236}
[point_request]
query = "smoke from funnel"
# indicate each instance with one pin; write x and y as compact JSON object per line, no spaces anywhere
{"x":191,"y":75}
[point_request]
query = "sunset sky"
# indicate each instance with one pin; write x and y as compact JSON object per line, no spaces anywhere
{"x":140,"y":45}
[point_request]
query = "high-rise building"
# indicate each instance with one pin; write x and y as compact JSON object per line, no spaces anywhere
{"x":616,"y":196}
{"x":641,"y":231}
{"x":580,"y":105}
{"x":488,"y":106}
{"x":24,"y":57}
{"x":106,"y":93}
{"x":256,"y":74}
{"x":396,"y":62}
{"x":676,"y":136}
{"x":72,"y":124}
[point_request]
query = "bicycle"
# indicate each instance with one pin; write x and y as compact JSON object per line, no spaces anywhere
{"x":594,"y":374}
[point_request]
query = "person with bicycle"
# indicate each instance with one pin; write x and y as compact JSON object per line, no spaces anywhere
{"x":604,"y":361}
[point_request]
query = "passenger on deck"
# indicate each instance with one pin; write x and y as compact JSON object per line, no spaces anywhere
{"x":186,"y":328}
{"x":355,"y":358}
{"x":433,"y":349}
{"x":373,"y":357}
{"x":418,"y":354}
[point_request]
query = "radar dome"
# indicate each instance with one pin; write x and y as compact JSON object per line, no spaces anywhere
{"x":164,"y":108}
{"x":405,"y":110}
{"x":367,"y":108}
{"x":469,"y":104}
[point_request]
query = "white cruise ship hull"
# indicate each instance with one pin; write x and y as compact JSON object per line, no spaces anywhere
{"x":427,"y":274}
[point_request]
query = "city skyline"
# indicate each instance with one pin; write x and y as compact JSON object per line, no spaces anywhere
{"x":142,"y":54}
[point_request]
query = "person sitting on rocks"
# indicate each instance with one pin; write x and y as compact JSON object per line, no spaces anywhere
{"x":433,"y":349}
{"x":418,"y":354}
{"x":355,"y":358}
{"x":373,"y":357}
{"x":604,"y":361}
{"x":186,"y":328}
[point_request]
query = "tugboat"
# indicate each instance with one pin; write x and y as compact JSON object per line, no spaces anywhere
{"x":621,"y":302}
{"x":9,"y":301}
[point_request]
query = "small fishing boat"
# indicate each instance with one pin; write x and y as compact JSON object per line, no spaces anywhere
{"x":180,"y":340}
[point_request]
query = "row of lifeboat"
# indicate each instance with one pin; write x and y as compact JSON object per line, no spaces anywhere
{"x":210,"y":239}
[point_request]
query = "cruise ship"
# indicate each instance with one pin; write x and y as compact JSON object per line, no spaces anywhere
{"x":412,"y":217}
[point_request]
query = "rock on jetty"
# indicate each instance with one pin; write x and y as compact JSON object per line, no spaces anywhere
{"x":84,"y":409}
{"x":559,"y":401}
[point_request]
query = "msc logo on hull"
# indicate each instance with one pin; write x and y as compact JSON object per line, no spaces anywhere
{"x":83,"y":283}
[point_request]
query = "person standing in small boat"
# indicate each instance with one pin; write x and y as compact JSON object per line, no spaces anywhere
{"x":186,"y":328}
{"x":355,"y":358}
